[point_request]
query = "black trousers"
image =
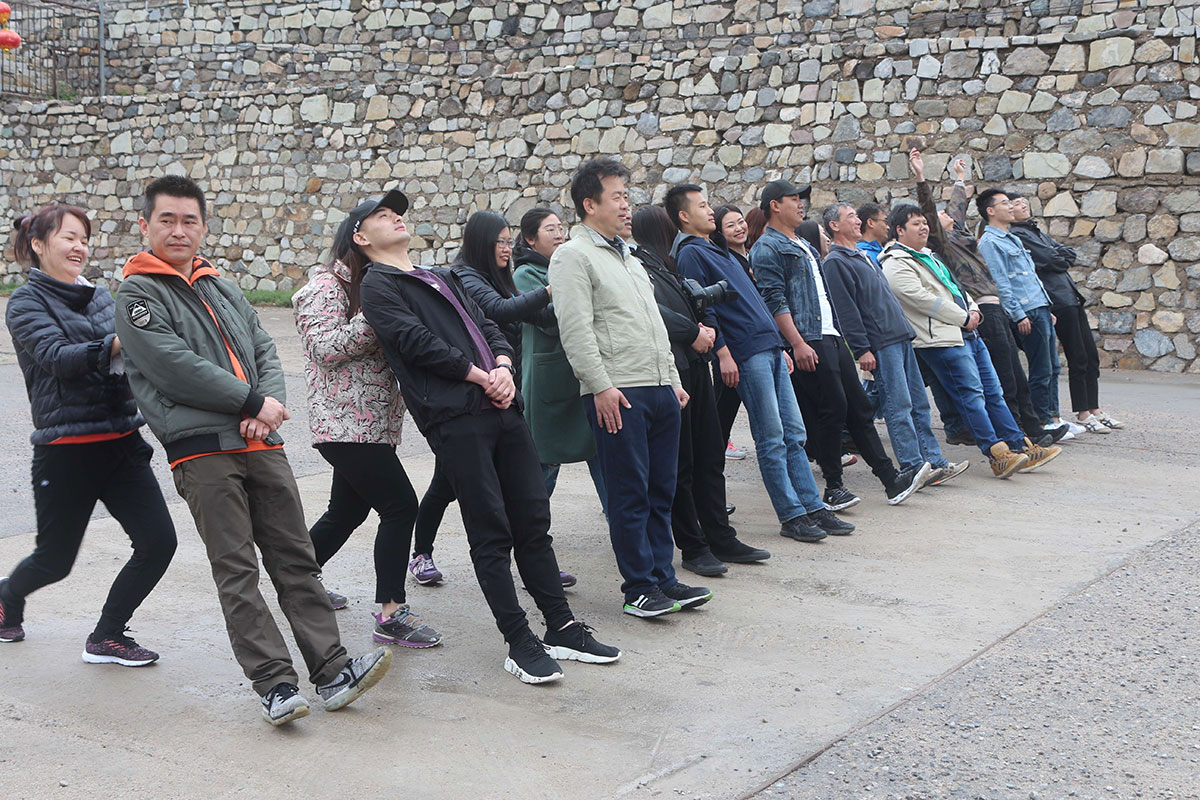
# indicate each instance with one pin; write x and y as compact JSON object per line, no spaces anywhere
{"x":699,"y":520}
{"x":728,"y":402}
{"x":832,"y":398}
{"x":1083,"y":362}
{"x":490,"y":462}
{"x":434,"y":502}
{"x":365,"y":477}
{"x":68,"y":479}
{"x":996,"y":332}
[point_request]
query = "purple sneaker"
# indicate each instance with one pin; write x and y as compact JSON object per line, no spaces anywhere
{"x":403,"y":628}
{"x":9,"y":632}
{"x":567,"y":579}
{"x":118,"y":649}
{"x":424,"y":570}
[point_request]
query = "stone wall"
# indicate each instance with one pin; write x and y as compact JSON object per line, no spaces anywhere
{"x":1089,"y":108}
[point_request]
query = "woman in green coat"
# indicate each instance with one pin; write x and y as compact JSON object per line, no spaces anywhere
{"x":553,"y":408}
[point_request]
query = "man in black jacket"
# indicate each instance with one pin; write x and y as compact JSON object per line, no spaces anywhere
{"x":456,"y":373}
{"x":699,"y":514}
{"x":1052,"y":260}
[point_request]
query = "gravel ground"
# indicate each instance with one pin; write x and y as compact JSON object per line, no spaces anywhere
{"x":1096,"y":699}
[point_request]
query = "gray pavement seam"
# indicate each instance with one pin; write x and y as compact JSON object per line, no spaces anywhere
{"x":1193,"y":526}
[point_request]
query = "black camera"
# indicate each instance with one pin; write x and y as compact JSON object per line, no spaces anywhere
{"x":704,"y":296}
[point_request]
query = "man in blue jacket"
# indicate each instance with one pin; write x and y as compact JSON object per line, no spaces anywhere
{"x":1024,"y":300}
{"x":753,"y":361}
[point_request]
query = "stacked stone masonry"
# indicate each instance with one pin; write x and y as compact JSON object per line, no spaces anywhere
{"x":289,"y":114}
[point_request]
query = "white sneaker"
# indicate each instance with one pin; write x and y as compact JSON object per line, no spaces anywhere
{"x":1092,"y":424}
{"x":1109,"y":422}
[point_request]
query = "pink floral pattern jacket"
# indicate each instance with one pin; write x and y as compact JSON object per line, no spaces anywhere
{"x":352,"y":394}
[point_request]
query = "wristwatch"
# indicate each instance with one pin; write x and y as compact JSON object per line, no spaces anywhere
{"x":510,"y":367}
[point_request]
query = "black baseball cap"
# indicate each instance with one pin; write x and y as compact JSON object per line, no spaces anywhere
{"x":777,"y":190}
{"x":344,"y":241}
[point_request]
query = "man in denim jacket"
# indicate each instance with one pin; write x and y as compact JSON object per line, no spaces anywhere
{"x":1023,"y":298}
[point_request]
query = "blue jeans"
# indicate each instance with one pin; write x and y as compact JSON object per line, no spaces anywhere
{"x":906,"y":407}
{"x":967,"y":374}
{"x":639,"y":464}
{"x":778,"y":429}
{"x":550,"y":477}
{"x":1041,"y":350}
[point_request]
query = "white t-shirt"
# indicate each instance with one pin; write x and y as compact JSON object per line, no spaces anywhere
{"x":827,"y":328}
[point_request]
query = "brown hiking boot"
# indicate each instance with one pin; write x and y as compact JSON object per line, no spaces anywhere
{"x":1004,"y":461}
{"x":1038,"y":456}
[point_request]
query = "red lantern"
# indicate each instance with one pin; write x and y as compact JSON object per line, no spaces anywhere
{"x":9,"y":40}
{"x":5,"y":13}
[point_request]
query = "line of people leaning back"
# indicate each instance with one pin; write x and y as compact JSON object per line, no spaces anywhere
{"x":532,"y":351}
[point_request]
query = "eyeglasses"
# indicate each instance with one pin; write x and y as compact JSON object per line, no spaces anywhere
{"x":552,"y":228}
{"x":505,"y":244}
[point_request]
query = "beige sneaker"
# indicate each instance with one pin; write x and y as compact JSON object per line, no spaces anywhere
{"x":1004,"y":461}
{"x":1038,"y":456}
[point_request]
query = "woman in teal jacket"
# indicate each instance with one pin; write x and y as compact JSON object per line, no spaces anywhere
{"x":553,"y":408}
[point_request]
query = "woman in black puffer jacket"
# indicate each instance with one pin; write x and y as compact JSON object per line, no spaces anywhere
{"x":86,"y":446}
{"x":484,"y":265}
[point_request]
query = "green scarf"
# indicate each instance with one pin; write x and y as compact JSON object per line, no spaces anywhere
{"x":939,"y":269}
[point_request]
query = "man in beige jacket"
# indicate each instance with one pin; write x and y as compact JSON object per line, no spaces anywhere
{"x":945,"y":317}
{"x":615,"y":340}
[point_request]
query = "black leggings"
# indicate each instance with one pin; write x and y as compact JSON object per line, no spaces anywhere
{"x":365,"y":477}
{"x":68,"y":479}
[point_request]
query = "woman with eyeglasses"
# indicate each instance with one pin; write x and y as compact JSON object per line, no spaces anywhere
{"x":484,"y":264}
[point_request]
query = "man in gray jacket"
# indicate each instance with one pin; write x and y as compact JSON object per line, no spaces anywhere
{"x":615,"y":340}
{"x":208,"y":381}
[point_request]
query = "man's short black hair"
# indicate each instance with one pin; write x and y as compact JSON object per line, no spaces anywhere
{"x":588,"y":180}
{"x":832,"y":214}
{"x":985,"y":201}
{"x":173,"y":186}
{"x":677,"y":201}
{"x":900,"y":216}
{"x":868,"y":211}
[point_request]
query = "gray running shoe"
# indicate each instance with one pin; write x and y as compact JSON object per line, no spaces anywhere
{"x":284,"y":704}
{"x":356,"y":677}
{"x":403,"y":628}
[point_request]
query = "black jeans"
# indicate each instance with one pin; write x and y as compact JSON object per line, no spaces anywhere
{"x":1083,"y":362}
{"x":434,"y":502}
{"x":365,"y":477}
{"x":831,"y":398}
{"x":699,"y":520}
{"x":490,"y":462}
{"x":68,"y":479}
{"x":728,"y":402}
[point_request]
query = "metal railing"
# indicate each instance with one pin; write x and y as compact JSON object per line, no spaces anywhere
{"x":61,"y":56}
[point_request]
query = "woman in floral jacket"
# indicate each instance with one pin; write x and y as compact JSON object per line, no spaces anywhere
{"x":356,"y":411}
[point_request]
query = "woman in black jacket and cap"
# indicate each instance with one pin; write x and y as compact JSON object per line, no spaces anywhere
{"x":484,"y":265}
{"x":86,"y":445}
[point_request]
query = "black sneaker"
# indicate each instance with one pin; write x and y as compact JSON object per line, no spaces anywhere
{"x":651,"y":604}
{"x":10,"y":629}
{"x":839,"y":498}
{"x":528,"y":660}
{"x":908,"y":482}
{"x":688,"y":596}
{"x":1056,"y":434}
{"x":802,"y":529}
{"x":283,"y":704}
{"x":576,"y":643}
{"x":826,"y":521}
{"x":117,"y":649}
{"x":705,"y":564}
{"x":358,"y":675}
{"x":961,"y":438}
{"x":736,"y":551}
{"x":729,"y":509}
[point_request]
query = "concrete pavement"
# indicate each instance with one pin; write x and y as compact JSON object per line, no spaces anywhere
{"x":721,"y":702}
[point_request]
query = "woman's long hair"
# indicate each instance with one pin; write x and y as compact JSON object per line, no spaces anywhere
{"x":653,"y":230}
{"x":41,"y":225}
{"x":356,"y":263}
{"x":479,"y":250}
{"x":756,"y":222}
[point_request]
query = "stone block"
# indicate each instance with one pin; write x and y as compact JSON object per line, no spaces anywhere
{"x":960,"y":64}
{"x":1092,"y":167}
{"x":1046,"y":165}
{"x":1132,"y":164}
{"x":1180,"y":202}
{"x":1168,"y":161}
{"x":1152,"y":343}
{"x":1028,"y":61}
{"x":1183,"y":134}
{"x":1109,"y":230}
{"x":1161,"y":226}
{"x":1061,"y":205}
{"x":1152,"y":51}
{"x":315,"y":108}
{"x":1185,"y":248}
{"x":1135,"y":279}
{"x":1109,"y":117}
{"x":1114,"y":300}
{"x":1145,"y":200}
{"x":1107,"y":53}
{"x":1069,"y":58}
{"x":657,"y":16}
{"x":1013,"y":102}
{"x":1151,"y":254}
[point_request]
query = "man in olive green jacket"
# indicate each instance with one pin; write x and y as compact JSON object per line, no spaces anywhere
{"x":614,"y":337}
